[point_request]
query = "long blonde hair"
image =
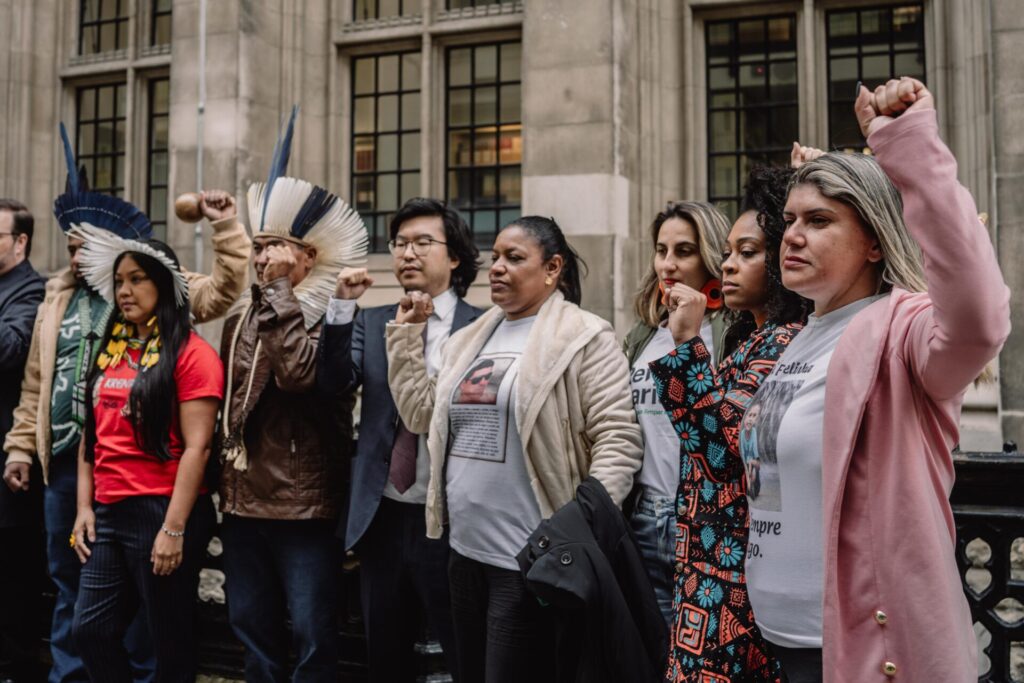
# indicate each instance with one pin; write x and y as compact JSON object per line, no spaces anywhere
{"x":712,"y":232}
{"x":858,"y":181}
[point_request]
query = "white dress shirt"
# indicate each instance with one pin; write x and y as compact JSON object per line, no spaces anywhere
{"x":439,"y":328}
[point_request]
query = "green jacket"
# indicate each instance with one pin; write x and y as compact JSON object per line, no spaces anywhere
{"x":638,"y":337}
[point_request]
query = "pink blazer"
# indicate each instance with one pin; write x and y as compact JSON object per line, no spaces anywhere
{"x":894,"y":606}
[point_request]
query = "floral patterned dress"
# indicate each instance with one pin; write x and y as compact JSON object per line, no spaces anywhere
{"x":714,"y":639}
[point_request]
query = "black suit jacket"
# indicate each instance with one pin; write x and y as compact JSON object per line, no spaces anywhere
{"x":351,"y":356}
{"x":21,"y":292}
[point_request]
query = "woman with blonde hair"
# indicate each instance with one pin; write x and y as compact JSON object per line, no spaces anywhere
{"x":688,"y":240}
{"x":860,"y":414}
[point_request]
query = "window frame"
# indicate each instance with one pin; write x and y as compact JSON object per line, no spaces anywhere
{"x":154,"y":17}
{"x":118,"y":121}
{"x":469,"y":212}
{"x":121,"y":22}
{"x":378,"y":243}
{"x":160,"y":227}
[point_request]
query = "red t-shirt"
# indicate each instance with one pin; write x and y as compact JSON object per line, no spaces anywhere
{"x":121,"y":469}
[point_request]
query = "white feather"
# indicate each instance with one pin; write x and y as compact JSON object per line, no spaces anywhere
{"x":101,"y":249}
{"x":339,"y":237}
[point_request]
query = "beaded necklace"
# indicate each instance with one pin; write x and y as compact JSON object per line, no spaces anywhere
{"x":122,"y":338}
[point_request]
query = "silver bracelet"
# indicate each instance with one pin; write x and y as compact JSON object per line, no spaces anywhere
{"x":172,"y":534}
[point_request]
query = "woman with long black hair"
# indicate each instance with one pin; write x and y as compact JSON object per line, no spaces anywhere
{"x":144,"y":518}
{"x":530,"y":400}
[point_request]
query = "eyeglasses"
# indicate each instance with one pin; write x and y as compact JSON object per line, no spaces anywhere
{"x":420,"y":245}
{"x":479,"y":378}
{"x":10,"y":234}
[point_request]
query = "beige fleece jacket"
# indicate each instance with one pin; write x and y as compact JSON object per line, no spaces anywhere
{"x":573,"y":404}
{"x":210,"y":296}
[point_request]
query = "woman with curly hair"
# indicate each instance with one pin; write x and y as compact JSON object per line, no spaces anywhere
{"x":713,"y":630}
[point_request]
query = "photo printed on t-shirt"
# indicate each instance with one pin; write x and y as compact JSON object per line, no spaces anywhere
{"x":759,"y":432}
{"x":481,"y":412}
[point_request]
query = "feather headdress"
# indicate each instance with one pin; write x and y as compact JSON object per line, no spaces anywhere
{"x":109,"y":227}
{"x":299,"y":211}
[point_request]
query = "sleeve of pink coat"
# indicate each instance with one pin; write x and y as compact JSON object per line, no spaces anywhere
{"x":949,"y":342}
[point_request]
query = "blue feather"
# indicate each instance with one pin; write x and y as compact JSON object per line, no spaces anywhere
{"x":71,"y":187}
{"x":317,"y":204}
{"x":77,"y":205}
{"x":279,"y":163}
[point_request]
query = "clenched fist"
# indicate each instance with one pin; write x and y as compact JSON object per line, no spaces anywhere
{"x":800,"y":155}
{"x":876,"y":110}
{"x":415,"y":308}
{"x":216,"y":205}
{"x":352,"y":283}
{"x":280,"y":262}
{"x":685,"y":312}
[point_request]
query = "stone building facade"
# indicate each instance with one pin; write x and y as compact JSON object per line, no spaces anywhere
{"x":595,"y":112}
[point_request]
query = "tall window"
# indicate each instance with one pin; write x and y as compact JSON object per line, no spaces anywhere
{"x":870,"y":45}
{"x":385,"y":138}
{"x":380,"y":9}
{"x":160,"y":27}
{"x":103,"y":26}
{"x":485,"y":135}
{"x":157,"y":154}
{"x":752,"y":100}
{"x":100,"y":136}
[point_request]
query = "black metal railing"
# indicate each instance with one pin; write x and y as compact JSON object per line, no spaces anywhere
{"x":988,"y":509}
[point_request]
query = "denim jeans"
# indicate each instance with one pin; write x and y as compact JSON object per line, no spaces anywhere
{"x":118,"y":578}
{"x":654,"y":525}
{"x":278,"y":570}
{"x":59,"y":509}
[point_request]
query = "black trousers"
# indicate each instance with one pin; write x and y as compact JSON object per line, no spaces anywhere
{"x":118,"y":577}
{"x":799,"y":664}
{"x":502,"y":634}
{"x":401,"y":569}
{"x":22,"y":571}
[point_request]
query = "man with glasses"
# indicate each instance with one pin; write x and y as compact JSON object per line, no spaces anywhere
{"x":433,"y":252}
{"x":21,"y":292}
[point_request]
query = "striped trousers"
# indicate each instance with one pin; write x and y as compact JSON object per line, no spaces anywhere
{"x":118,"y":581}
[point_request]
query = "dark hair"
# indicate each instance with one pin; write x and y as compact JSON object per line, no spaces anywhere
{"x":456,"y":233}
{"x":24,"y":223}
{"x":765,"y":193}
{"x":552,"y":241}
{"x":152,"y":399}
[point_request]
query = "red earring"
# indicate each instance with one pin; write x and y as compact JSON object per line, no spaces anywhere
{"x":713,"y":291}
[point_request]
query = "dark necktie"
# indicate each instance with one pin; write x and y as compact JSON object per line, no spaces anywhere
{"x":402,"y":473}
{"x":403,"y":459}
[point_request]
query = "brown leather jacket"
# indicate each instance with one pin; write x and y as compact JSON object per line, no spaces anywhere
{"x":298,"y":442}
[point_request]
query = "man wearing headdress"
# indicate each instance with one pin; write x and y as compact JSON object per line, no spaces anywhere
{"x":21,"y":290}
{"x":50,"y":414}
{"x":285,"y":446}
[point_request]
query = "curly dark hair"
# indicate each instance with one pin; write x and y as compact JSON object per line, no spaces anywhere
{"x":765,"y":192}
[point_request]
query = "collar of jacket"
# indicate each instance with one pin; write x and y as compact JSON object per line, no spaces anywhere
{"x":558,"y":334}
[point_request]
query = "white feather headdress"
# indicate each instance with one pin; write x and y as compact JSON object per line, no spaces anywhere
{"x":100,"y":251}
{"x":299,"y":211}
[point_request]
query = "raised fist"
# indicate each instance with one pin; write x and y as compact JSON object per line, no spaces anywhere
{"x":876,"y":110}
{"x":415,"y":307}
{"x":685,"y":312}
{"x":352,"y":283}
{"x":800,"y":155}
{"x":280,"y":262}
{"x":216,"y":205}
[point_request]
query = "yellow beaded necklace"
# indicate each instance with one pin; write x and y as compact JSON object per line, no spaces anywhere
{"x":120,"y":337}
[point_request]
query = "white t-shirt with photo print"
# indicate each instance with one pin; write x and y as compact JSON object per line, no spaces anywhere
{"x":781,"y":446}
{"x":492,"y":509}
